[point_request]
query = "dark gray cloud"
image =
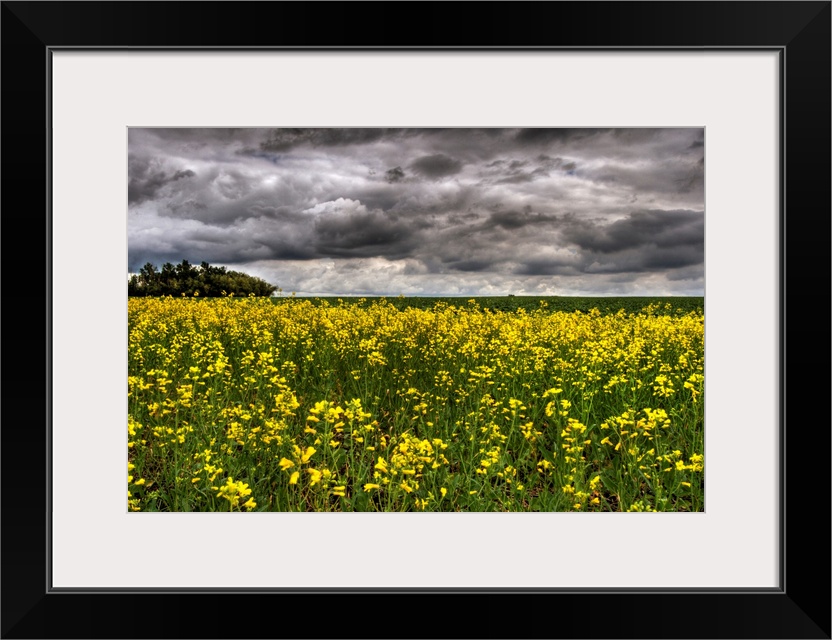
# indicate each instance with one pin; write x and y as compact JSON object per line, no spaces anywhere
{"x":545,"y":136}
{"x":513,"y":171}
{"x":396,"y":174}
{"x":346,"y":228}
{"x":286,"y":139}
{"x":666,"y":229}
{"x":455,"y":211}
{"x":436,"y":165}
{"x":147,"y":178}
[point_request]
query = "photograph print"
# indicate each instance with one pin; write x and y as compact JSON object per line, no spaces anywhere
{"x":420,"y":320}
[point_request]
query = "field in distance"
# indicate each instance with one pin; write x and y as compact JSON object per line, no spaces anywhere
{"x":567,"y":304}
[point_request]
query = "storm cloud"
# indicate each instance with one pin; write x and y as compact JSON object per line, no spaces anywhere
{"x":147,"y":179}
{"x":436,"y":165}
{"x":370,"y":211}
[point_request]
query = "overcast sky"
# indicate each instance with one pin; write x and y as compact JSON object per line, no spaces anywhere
{"x":426,"y":211}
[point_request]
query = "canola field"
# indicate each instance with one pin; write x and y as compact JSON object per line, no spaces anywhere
{"x":292,"y":405}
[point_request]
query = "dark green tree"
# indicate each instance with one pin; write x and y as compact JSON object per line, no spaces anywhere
{"x":186,"y":279}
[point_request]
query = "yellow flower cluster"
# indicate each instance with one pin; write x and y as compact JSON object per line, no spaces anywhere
{"x":234,"y":492}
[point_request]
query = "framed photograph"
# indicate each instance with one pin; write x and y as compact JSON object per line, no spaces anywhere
{"x":115,"y":112}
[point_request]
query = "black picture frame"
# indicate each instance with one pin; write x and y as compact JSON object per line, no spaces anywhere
{"x":800,"y":608}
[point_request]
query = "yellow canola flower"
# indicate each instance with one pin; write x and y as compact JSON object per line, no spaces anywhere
{"x":238,"y":374}
{"x":233,"y":491}
{"x":370,"y":486}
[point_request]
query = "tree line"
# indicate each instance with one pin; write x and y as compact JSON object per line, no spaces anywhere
{"x":186,"y":279}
